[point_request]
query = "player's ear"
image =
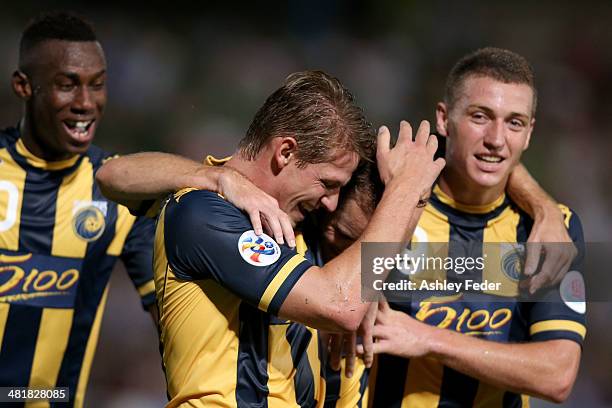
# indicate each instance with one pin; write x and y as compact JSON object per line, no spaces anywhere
{"x":442,"y":119}
{"x":531,"y":126}
{"x":284,"y":151}
{"x":21,"y":85}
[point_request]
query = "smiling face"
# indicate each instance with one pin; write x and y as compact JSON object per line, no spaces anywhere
{"x":65,"y":99}
{"x":304,"y":189}
{"x":487,"y":130}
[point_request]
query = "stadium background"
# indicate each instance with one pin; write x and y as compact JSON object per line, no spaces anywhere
{"x":188,"y":80}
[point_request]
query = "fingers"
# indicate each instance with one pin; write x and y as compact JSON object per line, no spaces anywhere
{"x":277,"y":223}
{"x":422,"y":135}
{"x":561,"y":271}
{"x":532,"y":258}
{"x":383,"y":143}
{"x":382,"y":346}
{"x":538,"y":281}
{"x":366,"y":334}
{"x":383,"y":306}
{"x":275,"y":227}
{"x":557,"y":261}
{"x":350,"y":347}
{"x":432,"y":144}
{"x":439,"y":163}
{"x":256,"y":222}
{"x":405,"y":133}
{"x":367,"y":349}
{"x":335,"y":354}
{"x":380,"y":332}
{"x":287,"y":228}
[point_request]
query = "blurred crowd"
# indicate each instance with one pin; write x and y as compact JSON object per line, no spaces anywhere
{"x":189,"y":80}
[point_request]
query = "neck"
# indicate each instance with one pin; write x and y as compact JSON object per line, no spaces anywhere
{"x":462,"y":191}
{"x":256,"y":170}
{"x":34,"y":142}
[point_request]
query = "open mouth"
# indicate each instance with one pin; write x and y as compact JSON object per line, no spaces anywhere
{"x":80,"y":130}
{"x":489,"y":158}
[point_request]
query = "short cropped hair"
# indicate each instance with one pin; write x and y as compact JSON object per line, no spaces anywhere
{"x":54,"y":26}
{"x":319,"y":112}
{"x":497,"y":63}
{"x":365,"y":187}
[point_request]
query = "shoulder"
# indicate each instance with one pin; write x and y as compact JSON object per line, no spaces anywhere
{"x":8,"y":137}
{"x":98,"y":156}
{"x":194,"y":208}
{"x":572,"y":222}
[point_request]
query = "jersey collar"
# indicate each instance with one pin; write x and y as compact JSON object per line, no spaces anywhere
{"x":42,"y":164}
{"x":467,"y":215}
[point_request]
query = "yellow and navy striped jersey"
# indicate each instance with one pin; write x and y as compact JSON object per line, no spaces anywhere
{"x":343,"y":392}
{"x":218,"y":288}
{"x":59,"y":240}
{"x":495,"y":316}
{"x":340,"y":391}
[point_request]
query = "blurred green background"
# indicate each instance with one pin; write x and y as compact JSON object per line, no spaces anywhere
{"x":188,"y":79}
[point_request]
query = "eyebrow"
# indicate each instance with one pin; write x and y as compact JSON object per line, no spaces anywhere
{"x":75,"y":76}
{"x":490,"y":112}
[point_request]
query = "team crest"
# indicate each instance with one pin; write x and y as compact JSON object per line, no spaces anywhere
{"x":258,"y":250}
{"x":88,"y":223}
{"x":573,"y":292}
{"x":512,"y":261}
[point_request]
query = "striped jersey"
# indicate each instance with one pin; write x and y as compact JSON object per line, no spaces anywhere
{"x":59,"y":240}
{"x":292,"y":369}
{"x":492,"y":315}
{"x":219,"y":287}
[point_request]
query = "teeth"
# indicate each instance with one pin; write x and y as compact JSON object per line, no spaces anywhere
{"x":490,"y":159}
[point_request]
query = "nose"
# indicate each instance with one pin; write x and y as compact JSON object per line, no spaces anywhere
{"x":495,"y":137}
{"x":83,"y":100}
{"x":330,"y":201}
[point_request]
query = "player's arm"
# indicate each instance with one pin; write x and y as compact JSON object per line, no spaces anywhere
{"x":545,"y":369}
{"x":548,"y":238}
{"x":134,"y":179}
{"x":133,"y":243}
{"x":329,"y":297}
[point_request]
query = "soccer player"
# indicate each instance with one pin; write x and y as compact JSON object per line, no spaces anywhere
{"x":220,"y":287}
{"x":483,"y":349}
{"x":59,"y":237}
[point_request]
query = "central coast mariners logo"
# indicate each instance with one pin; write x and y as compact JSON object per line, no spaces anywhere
{"x":258,"y":250}
{"x":512,"y":260}
{"x":88,"y":221}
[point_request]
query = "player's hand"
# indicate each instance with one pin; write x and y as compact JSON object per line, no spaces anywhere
{"x":343,"y":345}
{"x":549,"y":253}
{"x":263,"y":209}
{"x":399,"y":334}
{"x":365,"y":331}
{"x":409,"y":161}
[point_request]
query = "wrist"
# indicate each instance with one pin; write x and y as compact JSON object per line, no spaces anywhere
{"x":547,"y":211}
{"x":204,"y":177}
{"x":435,"y":342}
{"x":404,"y":192}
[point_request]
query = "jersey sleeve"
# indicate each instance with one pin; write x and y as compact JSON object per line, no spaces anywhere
{"x":560,"y":312}
{"x":208,"y":238}
{"x":137,"y":256}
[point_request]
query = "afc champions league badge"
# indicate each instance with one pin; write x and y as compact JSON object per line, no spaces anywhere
{"x":258,"y":250}
{"x":88,"y":223}
{"x":573,"y":292}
